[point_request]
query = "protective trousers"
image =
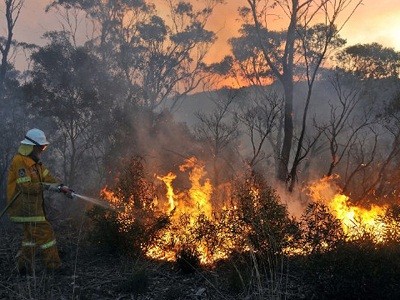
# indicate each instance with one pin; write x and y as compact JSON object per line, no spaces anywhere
{"x":38,"y":235}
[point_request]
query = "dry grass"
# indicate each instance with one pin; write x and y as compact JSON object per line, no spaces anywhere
{"x":94,"y":275}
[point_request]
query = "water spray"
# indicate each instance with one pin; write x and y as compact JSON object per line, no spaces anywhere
{"x":98,"y":202}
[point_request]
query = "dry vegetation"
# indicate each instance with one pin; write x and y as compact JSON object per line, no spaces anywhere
{"x":359,"y":269}
{"x":94,"y":274}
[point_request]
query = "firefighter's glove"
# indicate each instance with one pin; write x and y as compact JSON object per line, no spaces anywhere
{"x":51,"y":187}
{"x":66,"y":191}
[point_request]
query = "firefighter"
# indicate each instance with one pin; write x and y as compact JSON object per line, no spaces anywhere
{"x":27,"y":179}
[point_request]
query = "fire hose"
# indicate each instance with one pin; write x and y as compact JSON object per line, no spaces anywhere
{"x":72,"y":193}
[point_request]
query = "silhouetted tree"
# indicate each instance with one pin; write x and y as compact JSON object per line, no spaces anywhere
{"x":70,"y":88}
{"x":304,"y":44}
{"x":218,"y":130}
{"x":12,"y":10}
{"x":159,"y":57}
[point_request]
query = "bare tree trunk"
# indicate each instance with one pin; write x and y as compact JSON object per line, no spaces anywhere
{"x":12,"y":11}
{"x":287,"y":132}
{"x":286,"y":78}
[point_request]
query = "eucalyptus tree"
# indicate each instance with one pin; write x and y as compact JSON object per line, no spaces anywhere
{"x":374,"y":70}
{"x":160,"y":54}
{"x":71,"y":92}
{"x":12,"y":10}
{"x":369,"y":61}
{"x":295,"y":53}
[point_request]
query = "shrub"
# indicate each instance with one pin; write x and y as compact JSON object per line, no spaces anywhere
{"x":353,"y":270}
{"x":269,"y":234}
{"x":269,"y":227}
{"x":134,"y":224}
{"x":320,"y":229}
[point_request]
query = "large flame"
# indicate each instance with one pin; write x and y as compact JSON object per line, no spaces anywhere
{"x":190,"y":216}
{"x":185,"y":209}
{"x":356,"y":220}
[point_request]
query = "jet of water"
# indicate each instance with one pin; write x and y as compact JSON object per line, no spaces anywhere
{"x":98,"y":202}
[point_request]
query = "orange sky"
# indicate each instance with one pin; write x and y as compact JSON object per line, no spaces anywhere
{"x":374,"y":21}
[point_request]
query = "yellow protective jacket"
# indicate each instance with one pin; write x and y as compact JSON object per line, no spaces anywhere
{"x":25,"y":187}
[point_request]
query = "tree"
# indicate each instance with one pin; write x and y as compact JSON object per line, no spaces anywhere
{"x":218,"y":130}
{"x":303,"y":42}
{"x":374,"y":71}
{"x":158,"y":57}
{"x":12,"y":12}
{"x":260,"y":118}
{"x":345,"y":123}
{"x":69,"y":87}
{"x":385,"y":182}
{"x":13,"y":124}
{"x":370,"y":61}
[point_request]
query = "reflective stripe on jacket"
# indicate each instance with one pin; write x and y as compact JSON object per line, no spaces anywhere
{"x":26,"y":176}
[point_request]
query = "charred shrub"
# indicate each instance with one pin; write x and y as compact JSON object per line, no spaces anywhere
{"x":137,"y":283}
{"x":237,"y":273}
{"x":174,"y":293}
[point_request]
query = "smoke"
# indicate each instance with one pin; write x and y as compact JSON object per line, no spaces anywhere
{"x":295,"y":201}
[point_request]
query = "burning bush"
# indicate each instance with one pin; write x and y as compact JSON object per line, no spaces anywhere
{"x":392,"y":225}
{"x":170,"y":226}
{"x":250,"y":235}
{"x":134,"y":222}
{"x":352,"y":252}
{"x":196,"y":225}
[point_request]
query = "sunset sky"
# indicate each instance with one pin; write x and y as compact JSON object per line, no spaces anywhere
{"x":374,"y":21}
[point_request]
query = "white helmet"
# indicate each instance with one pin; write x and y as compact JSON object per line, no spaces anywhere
{"x":35,"y":137}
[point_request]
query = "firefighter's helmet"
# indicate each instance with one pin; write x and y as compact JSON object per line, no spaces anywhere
{"x":35,"y":137}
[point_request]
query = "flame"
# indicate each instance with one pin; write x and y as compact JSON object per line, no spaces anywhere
{"x":167,"y":179}
{"x":190,"y":214}
{"x":355,"y":220}
{"x":124,"y":216}
{"x":187,"y":208}
{"x":200,"y":194}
